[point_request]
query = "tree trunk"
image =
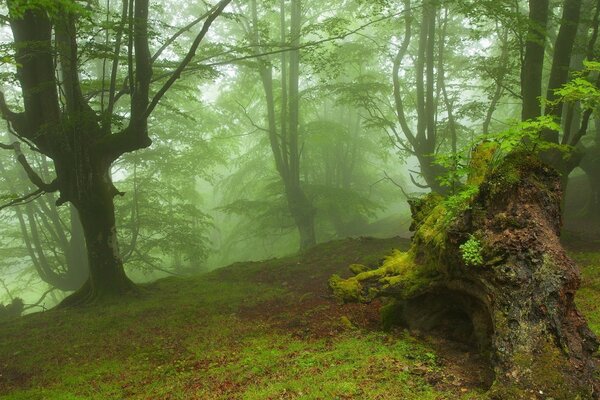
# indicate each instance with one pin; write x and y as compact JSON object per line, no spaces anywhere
{"x":593,"y":206}
{"x":492,"y":271}
{"x":431,"y":171}
{"x":533,"y":62}
{"x":303,"y":213}
{"x":97,"y":215}
{"x":76,"y":253}
{"x":591,"y":166}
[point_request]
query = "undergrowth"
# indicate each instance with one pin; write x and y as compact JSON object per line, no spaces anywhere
{"x":250,"y":331}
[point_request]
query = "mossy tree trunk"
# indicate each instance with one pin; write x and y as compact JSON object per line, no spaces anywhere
{"x":490,"y":264}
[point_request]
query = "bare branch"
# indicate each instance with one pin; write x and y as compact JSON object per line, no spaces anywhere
{"x":245,"y":110}
{"x":31,"y":174}
{"x":417,"y":184}
{"x":37,"y":303}
{"x":188,"y":58}
{"x":389,"y":178}
{"x":180,"y":32}
{"x":23,"y":200}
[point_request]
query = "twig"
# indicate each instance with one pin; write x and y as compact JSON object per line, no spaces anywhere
{"x":28,"y":198}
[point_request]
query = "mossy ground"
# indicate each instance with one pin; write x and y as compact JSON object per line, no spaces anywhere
{"x":266,"y":330}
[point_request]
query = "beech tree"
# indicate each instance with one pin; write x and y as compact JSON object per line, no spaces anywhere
{"x":63,"y":124}
{"x":284,"y":135}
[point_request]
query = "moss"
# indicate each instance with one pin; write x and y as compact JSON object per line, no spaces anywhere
{"x":399,"y":275}
{"x":509,"y":173}
{"x":391,"y":315}
{"x":545,"y":371}
{"x":422,"y":207}
{"x":346,"y":290}
{"x":346,"y":323}
{"x":432,"y":231}
{"x":481,"y":158}
{"x":358,"y":268}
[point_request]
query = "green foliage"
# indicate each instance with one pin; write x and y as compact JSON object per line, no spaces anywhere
{"x":525,"y":136}
{"x":581,"y":89}
{"x":471,"y":252}
{"x":19,"y":7}
{"x":459,"y":202}
{"x":485,"y":153}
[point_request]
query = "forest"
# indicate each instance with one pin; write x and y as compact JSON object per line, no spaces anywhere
{"x":300,"y":199}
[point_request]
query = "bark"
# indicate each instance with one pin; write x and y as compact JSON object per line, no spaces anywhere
{"x":107,"y":276}
{"x":563,"y":50}
{"x":303,"y":213}
{"x":533,"y":62}
{"x":512,"y":293}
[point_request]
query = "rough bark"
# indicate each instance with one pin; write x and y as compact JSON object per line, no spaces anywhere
{"x":493,"y":269}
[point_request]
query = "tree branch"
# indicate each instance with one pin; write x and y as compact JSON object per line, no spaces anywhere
{"x":218,"y":9}
{"x":180,"y":32}
{"x":31,"y":174}
{"x":23,"y":200}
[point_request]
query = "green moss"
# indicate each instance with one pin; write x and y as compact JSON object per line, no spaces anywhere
{"x":509,"y":173}
{"x":346,"y":290}
{"x":481,"y":158}
{"x":399,"y":274}
{"x":422,"y":207}
{"x":545,"y":371}
{"x":346,"y":323}
{"x":432,"y":231}
{"x":391,"y":315}
{"x":358,"y":268}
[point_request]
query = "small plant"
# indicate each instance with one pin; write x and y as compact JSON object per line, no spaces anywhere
{"x":471,"y":252}
{"x":460,"y":201}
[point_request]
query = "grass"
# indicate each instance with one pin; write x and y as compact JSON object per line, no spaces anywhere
{"x":588,"y":297}
{"x":250,"y":331}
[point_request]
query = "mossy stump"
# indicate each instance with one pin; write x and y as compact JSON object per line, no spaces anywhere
{"x":514,"y":298}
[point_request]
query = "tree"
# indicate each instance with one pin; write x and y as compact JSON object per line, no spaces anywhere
{"x":284,"y":134}
{"x":533,"y":60}
{"x":486,"y":266}
{"x":60,"y":122}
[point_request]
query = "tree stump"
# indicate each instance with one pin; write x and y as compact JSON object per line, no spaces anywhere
{"x":488,"y":262}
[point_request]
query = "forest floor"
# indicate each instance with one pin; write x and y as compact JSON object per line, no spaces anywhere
{"x":261,"y":330}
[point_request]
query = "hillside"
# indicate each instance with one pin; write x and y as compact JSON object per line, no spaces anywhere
{"x":263,"y":330}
